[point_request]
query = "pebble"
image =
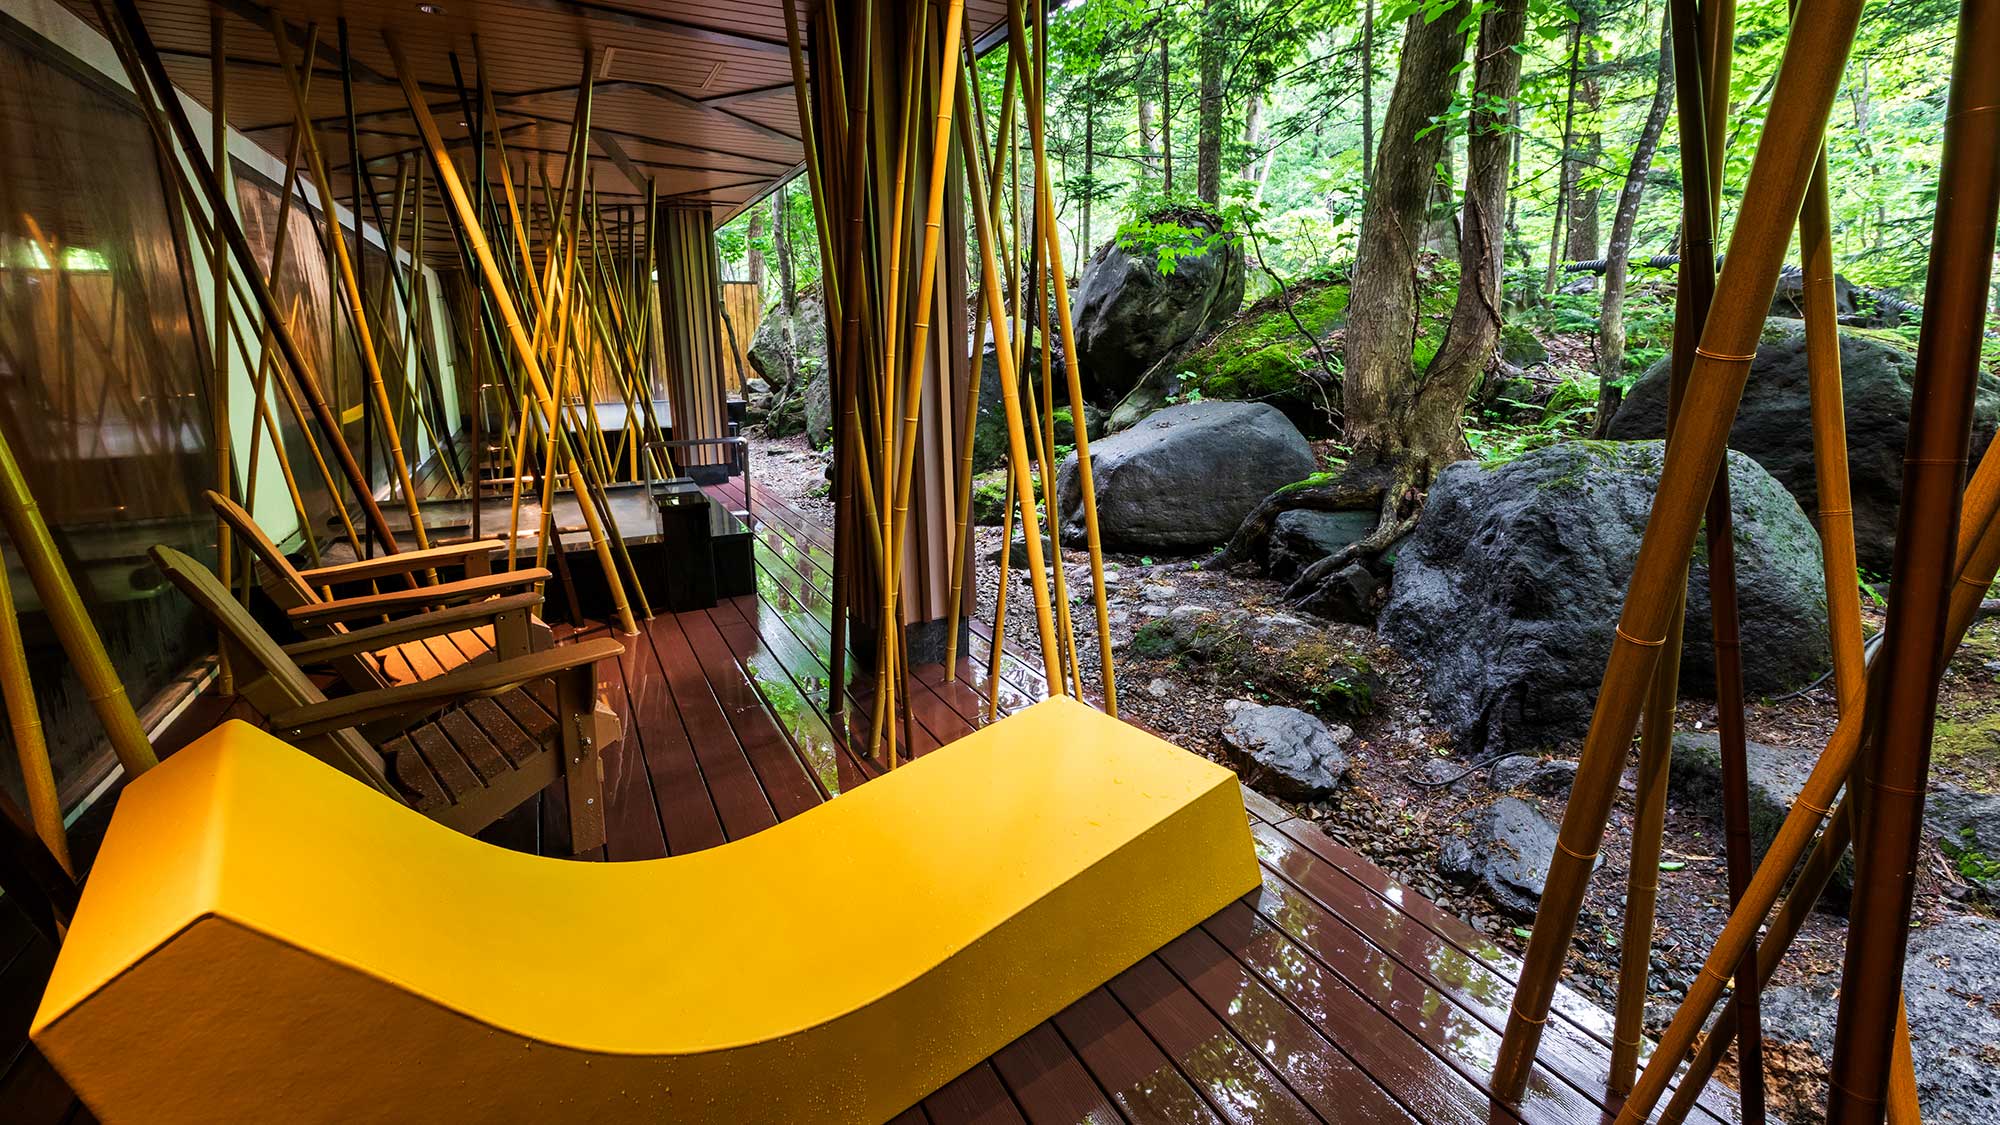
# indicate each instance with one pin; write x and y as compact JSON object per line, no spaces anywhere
{"x":1159,"y":688}
{"x":1160,"y":591}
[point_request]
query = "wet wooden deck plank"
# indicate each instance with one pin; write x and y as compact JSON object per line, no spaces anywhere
{"x":810,"y":550}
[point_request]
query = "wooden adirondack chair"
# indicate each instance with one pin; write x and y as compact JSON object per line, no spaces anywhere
{"x":475,"y":742}
{"x":297,"y":592}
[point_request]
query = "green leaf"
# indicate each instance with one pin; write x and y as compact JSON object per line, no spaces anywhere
{"x":1672,"y":864}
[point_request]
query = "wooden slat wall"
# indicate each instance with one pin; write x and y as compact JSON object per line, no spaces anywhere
{"x":743,"y":303}
{"x":693,"y":330}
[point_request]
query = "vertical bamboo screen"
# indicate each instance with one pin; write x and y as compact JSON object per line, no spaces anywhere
{"x":933,"y":504}
{"x":694,"y":371}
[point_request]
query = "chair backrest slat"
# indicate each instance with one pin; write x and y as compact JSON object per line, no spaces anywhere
{"x":207,"y":592}
{"x":275,"y":563}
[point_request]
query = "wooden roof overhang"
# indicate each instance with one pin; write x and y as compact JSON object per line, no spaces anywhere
{"x":695,"y":95}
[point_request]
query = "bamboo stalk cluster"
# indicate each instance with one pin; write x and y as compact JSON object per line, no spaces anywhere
{"x":1948,"y":549}
{"x":898,"y":146}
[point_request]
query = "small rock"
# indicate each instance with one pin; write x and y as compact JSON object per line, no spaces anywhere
{"x":1160,"y":592}
{"x":1507,"y":856}
{"x":1548,"y":777}
{"x":1286,"y":752}
{"x":1017,"y":554}
{"x":1158,"y":688}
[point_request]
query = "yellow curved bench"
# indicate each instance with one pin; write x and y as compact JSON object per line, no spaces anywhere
{"x":264,"y":939}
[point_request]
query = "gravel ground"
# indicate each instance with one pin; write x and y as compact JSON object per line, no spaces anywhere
{"x":1389,"y":815}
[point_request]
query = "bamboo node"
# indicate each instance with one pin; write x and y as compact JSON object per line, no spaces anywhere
{"x":1721,"y":979}
{"x":1526,"y":1018}
{"x":1625,"y":636}
{"x":1589,"y":858}
{"x":1721,"y":358}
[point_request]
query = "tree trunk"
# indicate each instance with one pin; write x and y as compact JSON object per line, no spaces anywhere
{"x":1253,"y":136}
{"x":788,"y":293}
{"x":1166,"y":121}
{"x":1434,"y":434}
{"x":1208,"y":136}
{"x":1381,"y":323}
{"x":752,"y":236}
{"x":1367,"y":95}
{"x":1618,"y":256}
{"x":1584,"y":201}
{"x":1147,"y":156}
{"x":1566,"y":169}
{"x":1089,"y":153}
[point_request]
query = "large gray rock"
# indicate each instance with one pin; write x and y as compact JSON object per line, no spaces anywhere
{"x":1948,"y":985}
{"x":1774,"y":424}
{"x":789,"y":354}
{"x":1509,"y":590}
{"x":1185,"y":477}
{"x":801,"y":339}
{"x":1506,"y":856}
{"x":1285,"y":752}
{"x":1130,"y":313}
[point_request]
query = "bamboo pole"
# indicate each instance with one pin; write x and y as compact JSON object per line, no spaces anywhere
{"x":350,"y":283}
{"x":1895,"y":772}
{"x":69,"y":617}
{"x":1700,"y":158}
{"x":918,"y":357}
{"x":1066,"y":325}
{"x":24,"y":719}
{"x":447,"y":177}
{"x":218,"y":267}
{"x":961,"y":544}
{"x":1017,"y":446}
{"x":1978,"y":558}
{"x":1804,"y":90}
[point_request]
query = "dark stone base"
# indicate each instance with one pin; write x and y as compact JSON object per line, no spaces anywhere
{"x":923,"y":641}
{"x":708,"y":474}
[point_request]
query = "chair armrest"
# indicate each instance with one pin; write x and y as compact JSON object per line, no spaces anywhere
{"x":471,"y":681}
{"x":434,"y":624}
{"x":417,"y":598}
{"x":403,"y":562}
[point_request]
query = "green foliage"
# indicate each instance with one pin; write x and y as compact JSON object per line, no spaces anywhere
{"x":1568,"y":414}
{"x":1972,"y":864}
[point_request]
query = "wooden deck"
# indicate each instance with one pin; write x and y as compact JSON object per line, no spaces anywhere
{"x":1330,"y":994}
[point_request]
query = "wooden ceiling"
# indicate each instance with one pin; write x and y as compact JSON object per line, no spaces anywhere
{"x":694,"y":94}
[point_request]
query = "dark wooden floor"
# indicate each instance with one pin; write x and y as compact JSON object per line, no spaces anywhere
{"x":1332,"y":993}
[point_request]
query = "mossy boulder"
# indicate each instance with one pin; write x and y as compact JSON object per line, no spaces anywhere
{"x":1774,"y":423}
{"x":1508,"y":591}
{"x":1281,"y":657}
{"x":1133,"y":308}
{"x":1521,"y":347}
